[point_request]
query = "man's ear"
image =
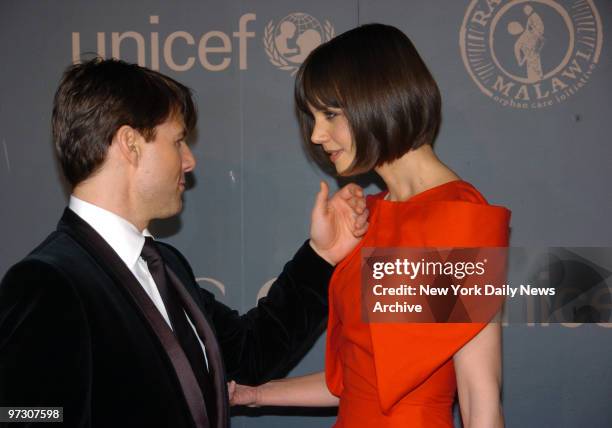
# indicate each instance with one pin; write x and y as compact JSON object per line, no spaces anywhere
{"x":128,"y":142}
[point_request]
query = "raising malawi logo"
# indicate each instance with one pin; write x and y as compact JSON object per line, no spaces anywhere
{"x":530,"y":53}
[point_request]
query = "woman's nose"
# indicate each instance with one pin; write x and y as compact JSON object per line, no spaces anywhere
{"x":319,"y":134}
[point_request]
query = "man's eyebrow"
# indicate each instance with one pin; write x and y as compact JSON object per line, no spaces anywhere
{"x":182,"y":135}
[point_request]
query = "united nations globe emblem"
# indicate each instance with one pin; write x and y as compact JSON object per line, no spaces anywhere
{"x":289,"y":42}
{"x":530,"y":53}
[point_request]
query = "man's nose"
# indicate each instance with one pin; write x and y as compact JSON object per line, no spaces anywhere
{"x":189,"y":161}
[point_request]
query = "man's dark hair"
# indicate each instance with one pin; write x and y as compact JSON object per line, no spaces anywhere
{"x":389,"y":97}
{"x":97,"y":97}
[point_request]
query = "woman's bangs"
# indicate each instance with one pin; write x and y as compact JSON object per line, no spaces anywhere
{"x":316,"y":86}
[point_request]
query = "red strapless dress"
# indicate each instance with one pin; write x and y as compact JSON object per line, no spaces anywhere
{"x":402,"y":375}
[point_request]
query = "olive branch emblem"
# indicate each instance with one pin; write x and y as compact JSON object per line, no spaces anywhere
{"x":275,"y":57}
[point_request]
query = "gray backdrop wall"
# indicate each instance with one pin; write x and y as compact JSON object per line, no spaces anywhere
{"x":527,"y":119}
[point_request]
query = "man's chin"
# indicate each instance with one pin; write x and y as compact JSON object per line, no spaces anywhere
{"x":171,"y":211}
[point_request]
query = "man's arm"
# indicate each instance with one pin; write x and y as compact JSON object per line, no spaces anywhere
{"x":44,"y":357}
{"x":268,"y":340}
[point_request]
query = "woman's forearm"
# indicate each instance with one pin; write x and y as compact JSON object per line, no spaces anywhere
{"x":308,"y":391}
{"x":482,"y":409}
{"x":305,"y":391}
{"x":478,"y":371}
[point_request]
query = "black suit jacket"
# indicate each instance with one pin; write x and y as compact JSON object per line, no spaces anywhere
{"x":76,"y":333}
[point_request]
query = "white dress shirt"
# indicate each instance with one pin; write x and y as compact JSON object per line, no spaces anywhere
{"x":125,"y":239}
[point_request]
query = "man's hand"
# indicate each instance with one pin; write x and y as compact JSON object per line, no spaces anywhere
{"x":337,"y":224}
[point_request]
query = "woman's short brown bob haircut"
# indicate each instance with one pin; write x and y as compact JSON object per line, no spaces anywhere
{"x":375,"y":75}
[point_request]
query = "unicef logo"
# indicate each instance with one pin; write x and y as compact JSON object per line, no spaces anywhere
{"x":531,"y":53}
{"x":290,"y":41}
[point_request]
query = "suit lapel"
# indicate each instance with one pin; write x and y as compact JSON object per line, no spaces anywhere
{"x":213,"y":352}
{"x":94,"y":244}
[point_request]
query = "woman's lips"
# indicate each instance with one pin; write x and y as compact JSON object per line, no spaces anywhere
{"x":334,"y":154}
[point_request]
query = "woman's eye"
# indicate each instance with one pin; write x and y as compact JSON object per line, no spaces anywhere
{"x":330,"y":114}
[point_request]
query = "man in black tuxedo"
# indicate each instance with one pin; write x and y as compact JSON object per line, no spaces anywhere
{"x":109,"y":324}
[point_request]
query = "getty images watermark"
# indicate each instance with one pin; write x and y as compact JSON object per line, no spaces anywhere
{"x":515,"y":285}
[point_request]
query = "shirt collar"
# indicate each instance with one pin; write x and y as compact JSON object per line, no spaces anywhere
{"x":119,"y":233}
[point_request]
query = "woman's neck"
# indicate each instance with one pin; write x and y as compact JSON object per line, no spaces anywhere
{"x":416,"y":171}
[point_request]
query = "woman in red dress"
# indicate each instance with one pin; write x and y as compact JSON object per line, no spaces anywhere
{"x":366,"y":101}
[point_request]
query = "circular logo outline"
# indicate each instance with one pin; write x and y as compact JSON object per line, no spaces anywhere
{"x":479,"y":42}
{"x":275,"y":57}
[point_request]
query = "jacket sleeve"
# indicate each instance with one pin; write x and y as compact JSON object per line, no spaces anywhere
{"x":268,"y":340}
{"x":44,"y":351}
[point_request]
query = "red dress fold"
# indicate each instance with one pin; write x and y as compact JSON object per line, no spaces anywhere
{"x":402,"y":374}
